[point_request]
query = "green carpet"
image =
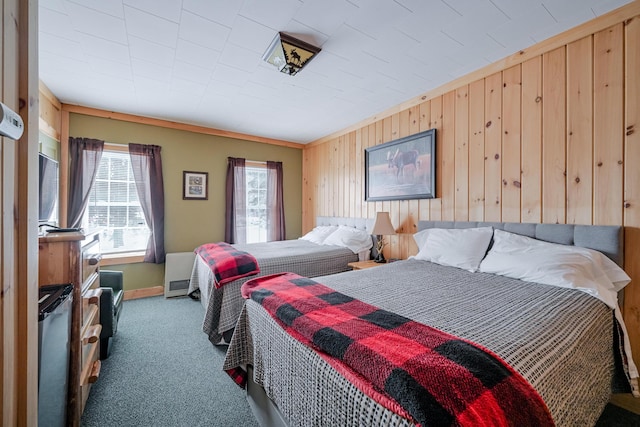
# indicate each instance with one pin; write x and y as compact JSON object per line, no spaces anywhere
{"x":163,"y":371}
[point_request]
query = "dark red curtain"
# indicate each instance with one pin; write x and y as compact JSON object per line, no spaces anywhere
{"x":235,"y":230}
{"x":146,"y":163}
{"x":275,"y":202}
{"x":85,"y":155}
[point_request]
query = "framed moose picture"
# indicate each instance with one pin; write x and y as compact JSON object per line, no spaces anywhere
{"x":402,"y":169}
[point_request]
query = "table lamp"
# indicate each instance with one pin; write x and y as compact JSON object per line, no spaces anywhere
{"x":381,"y":227}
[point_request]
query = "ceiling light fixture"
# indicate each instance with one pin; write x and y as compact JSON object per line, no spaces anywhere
{"x":289,"y":54}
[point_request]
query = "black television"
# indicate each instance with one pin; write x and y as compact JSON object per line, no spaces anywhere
{"x":48,"y":196}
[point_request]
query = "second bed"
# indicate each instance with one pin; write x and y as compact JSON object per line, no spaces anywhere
{"x":223,"y":305}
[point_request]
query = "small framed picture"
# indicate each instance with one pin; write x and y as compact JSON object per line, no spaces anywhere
{"x":195,"y":185}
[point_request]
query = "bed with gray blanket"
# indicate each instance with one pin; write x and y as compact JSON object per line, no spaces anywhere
{"x":562,"y":341}
{"x":223,"y":305}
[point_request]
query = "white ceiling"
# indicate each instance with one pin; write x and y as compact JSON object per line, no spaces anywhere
{"x":200,"y":61}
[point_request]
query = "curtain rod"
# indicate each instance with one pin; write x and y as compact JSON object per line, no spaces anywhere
{"x":254,"y":162}
{"x":116,"y":147}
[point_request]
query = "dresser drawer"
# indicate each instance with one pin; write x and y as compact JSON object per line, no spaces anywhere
{"x":74,"y":257}
{"x":91,"y":257}
{"x":90,"y":336}
{"x":90,"y":366}
{"x":90,"y":299}
{"x":90,"y":347}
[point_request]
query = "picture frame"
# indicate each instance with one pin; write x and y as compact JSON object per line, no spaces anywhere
{"x":195,"y":185}
{"x":402,"y":169}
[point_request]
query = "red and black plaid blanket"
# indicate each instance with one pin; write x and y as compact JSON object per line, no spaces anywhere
{"x":227,"y":263}
{"x":426,"y":375}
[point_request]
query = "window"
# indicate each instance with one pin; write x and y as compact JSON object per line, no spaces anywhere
{"x":256,"y":202}
{"x":114,"y":206}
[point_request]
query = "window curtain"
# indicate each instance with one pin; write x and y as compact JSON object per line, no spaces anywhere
{"x":236,"y":205}
{"x":85,"y":155}
{"x":146,"y":163}
{"x":275,"y":202}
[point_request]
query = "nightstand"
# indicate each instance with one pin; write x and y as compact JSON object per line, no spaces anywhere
{"x":361,"y":265}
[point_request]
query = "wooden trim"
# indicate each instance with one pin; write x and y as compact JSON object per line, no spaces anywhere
{"x":118,"y":259}
{"x":64,"y":167}
{"x":44,"y":90}
{"x":49,"y":112}
{"x":21,"y":17}
{"x":69,"y":108}
{"x":631,"y":185}
{"x":597,"y":24}
{"x":153,"y":291}
{"x":48,"y":130}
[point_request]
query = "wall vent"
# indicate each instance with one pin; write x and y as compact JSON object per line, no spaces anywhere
{"x":177,"y":285}
{"x":177,"y":272}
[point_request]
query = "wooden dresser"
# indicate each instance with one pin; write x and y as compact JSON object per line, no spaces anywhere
{"x":75,"y":258}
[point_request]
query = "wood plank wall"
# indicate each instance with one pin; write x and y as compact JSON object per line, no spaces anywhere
{"x":18,"y":221}
{"x":50,"y":114}
{"x":553,"y":138}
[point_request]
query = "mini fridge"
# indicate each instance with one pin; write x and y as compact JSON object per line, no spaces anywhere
{"x":54,"y":328}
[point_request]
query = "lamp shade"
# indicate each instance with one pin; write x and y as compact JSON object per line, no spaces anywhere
{"x":289,"y":54}
{"x":383,"y":225}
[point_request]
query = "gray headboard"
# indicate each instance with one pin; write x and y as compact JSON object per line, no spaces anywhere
{"x":359,"y":223}
{"x":608,"y":239}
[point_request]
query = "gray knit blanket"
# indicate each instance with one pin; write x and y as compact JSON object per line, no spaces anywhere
{"x":223,"y":305}
{"x":560,"y":340}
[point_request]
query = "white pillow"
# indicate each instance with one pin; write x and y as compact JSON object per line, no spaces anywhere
{"x":532,"y":260}
{"x":350,"y":237}
{"x":462,"y":248}
{"x":319,"y":234}
{"x":617,"y":275}
{"x":421,"y":238}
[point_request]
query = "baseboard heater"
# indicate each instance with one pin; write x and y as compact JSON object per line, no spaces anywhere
{"x":177,"y":272}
